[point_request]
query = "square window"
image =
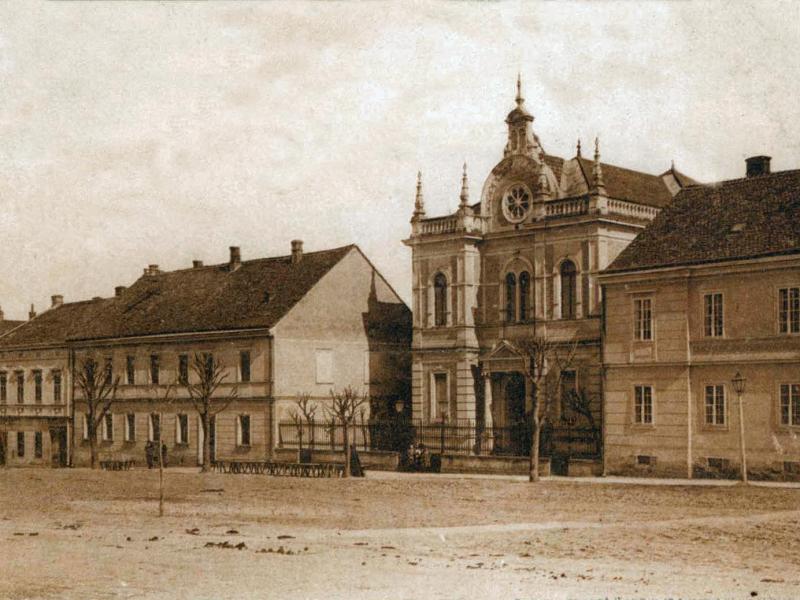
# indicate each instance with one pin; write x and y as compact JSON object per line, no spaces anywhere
{"x":37,"y":444}
{"x":243,"y":430}
{"x":57,"y":387}
{"x":789,"y":310}
{"x":3,"y":387}
{"x":130,"y":369}
{"x":154,"y":369}
{"x":643,"y":319}
{"x":713,"y":317}
{"x":643,"y":405}
{"x":20,"y":376}
{"x":20,"y":444}
{"x":715,"y":409}
{"x":790,"y":404}
{"x":183,"y":369}
{"x":154,"y":427}
{"x":108,"y":427}
{"x":130,"y":427}
{"x":181,"y":429}
{"x":37,"y":386}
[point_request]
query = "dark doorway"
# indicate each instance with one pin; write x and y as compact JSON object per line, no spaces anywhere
{"x":512,"y":436}
{"x":58,"y":446}
{"x":3,"y":443}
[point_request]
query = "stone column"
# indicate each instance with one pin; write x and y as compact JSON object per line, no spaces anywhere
{"x":488,"y":424}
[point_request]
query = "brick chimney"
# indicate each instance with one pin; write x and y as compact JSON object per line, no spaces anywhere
{"x":31,"y":312}
{"x":56,"y":301}
{"x":152,"y":270}
{"x":236,"y":258}
{"x":119,"y":290}
{"x":297,"y":251}
{"x":757,"y":165}
{"x":196,"y":264}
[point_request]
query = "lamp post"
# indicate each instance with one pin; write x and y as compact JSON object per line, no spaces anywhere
{"x":738,"y":382}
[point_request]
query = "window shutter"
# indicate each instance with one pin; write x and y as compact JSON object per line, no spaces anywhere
{"x":178,"y":439}
{"x":150,"y":432}
{"x":239,"y":430}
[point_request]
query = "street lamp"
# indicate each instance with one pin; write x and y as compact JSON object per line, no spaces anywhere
{"x":738,"y":382}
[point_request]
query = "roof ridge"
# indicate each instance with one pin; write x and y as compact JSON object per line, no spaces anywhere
{"x":746,"y":179}
{"x":613,"y":166}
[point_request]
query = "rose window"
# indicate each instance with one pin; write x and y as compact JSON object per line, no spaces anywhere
{"x":516,"y":203}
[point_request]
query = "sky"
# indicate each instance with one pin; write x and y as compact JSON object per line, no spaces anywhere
{"x":134,"y":133}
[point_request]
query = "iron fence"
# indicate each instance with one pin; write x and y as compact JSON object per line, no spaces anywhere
{"x":450,"y":437}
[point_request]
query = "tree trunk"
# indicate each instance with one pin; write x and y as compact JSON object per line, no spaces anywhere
{"x":93,"y":449}
{"x":206,"y":420}
{"x":533,"y":475}
{"x":346,"y":451}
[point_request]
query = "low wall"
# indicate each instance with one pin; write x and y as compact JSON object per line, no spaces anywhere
{"x":376,"y":460}
{"x":584,"y":467}
{"x":501,"y":465}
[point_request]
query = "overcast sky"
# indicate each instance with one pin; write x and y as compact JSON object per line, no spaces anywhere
{"x":136,"y":133}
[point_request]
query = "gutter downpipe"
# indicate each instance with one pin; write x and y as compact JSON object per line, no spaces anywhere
{"x":689,"y":408}
{"x":272,"y":412}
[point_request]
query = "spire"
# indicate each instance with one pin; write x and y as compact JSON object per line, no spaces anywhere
{"x":519,"y":99}
{"x":578,"y":151}
{"x":464,"y":188}
{"x":419,"y":202}
{"x":598,"y":186}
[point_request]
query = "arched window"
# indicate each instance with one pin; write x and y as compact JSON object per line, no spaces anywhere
{"x":524,"y":296}
{"x":568,"y":290}
{"x":511,"y":297}
{"x":439,"y":300}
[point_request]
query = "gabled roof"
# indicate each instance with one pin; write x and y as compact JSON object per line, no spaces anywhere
{"x":732,"y":220}
{"x":56,"y":325}
{"x":7,"y":325}
{"x":626,"y":184}
{"x":213,"y":298}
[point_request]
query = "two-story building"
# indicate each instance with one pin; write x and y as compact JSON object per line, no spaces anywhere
{"x":709,"y":289}
{"x":303,"y":323}
{"x":521,"y":262}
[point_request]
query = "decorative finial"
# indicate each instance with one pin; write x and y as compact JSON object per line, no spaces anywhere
{"x":598,"y":186}
{"x":519,"y":97}
{"x":578,"y":154}
{"x":464,"y":187}
{"x":419,"y":202}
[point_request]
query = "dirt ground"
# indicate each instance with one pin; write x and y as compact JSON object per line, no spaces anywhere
{"x":84,"y":534}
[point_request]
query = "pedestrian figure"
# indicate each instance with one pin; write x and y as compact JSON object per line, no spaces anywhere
{"x":149,"y":453}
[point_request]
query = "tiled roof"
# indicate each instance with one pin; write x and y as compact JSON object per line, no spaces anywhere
{"x":634,"y":186}
{"x":213,"y":298}
{"x":56,"y":325}
{"x":556,"y":163}
{"x":731,"y":220}
{"x":6,"y":326}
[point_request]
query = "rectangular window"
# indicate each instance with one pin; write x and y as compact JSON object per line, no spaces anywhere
{"x":789,"y":310}
{"x":56,"y":387}
{"x":440,"y":390}
{"x":3,"y":387}
{"x":37,"y":386}
{"x":181,"y":429}
{"x":130,"y":369}
{"x":20,"y":444}
{"x":154,"y":368}
{"x":643,"y":319}
{"x":109,"y":368}
{"x":85,"y":430}
{"x":37,"y":444}
{"x":713,"y":315}
{"x":183,"y":369}
{"x":244,"y":365}
{"x":790,"y":404}
{"x":20,"y":375}
{"x":715,"y":405}
{"x":130,"y":427}
{"x":154,"y":426}
{"x":643,"y":405}
{"x":324,"y":364}
{"x":243,"y":430}
{"x":108,"y":428}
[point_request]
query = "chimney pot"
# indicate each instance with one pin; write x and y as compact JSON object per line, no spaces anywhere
{"x":297,"y":251}
{"x":758,"y":165}
{"x":196,"y":264}
{"x":118,"y":291}
{"x":236,"y":258}
{"x":56,"y":300}
{"x":151,"y":270}
{"x":2,"y":315}
{"x":31,"y":312}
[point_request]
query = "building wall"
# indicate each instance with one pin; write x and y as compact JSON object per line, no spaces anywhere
{"x":681,"y":361}
{"x":143,"y":398}
{"x":352,"y":330}
{"x":32,"y":416}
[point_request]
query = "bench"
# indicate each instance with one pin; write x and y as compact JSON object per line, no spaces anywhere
{"x":117,"y":465}
{"x":279,"y":469}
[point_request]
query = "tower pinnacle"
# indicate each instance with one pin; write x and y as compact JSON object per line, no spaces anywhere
{"x":598,"y":186}
{"x":419,"y":202}
{"x":464,"y":188}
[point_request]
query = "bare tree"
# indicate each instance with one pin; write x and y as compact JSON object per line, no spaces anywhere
{"x":307,"y":411}
{"x":209,"y":374}
{"x":580,"y":402}
{"x":159,"y":445}
{"x":99,"y":389}
{"x":344,"y":406}
{"x":544,"y":363}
